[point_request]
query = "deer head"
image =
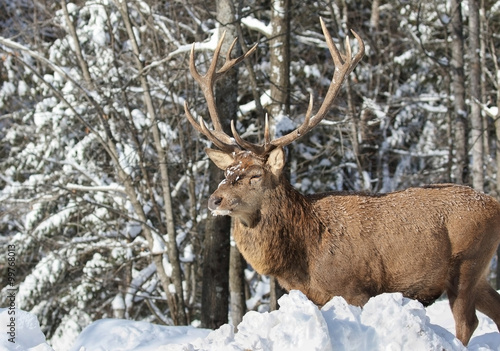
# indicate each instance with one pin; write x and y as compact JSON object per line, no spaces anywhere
{"x":252,"y":170}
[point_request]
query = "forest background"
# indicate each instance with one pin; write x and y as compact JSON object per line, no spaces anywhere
{"x":104,"y":184}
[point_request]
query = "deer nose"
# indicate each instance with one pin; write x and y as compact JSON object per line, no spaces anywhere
{"x":214,"y":202}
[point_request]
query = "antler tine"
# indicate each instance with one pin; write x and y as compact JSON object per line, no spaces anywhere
{"x":267,"y":134}
{"x":207,"y":82}
{"x":191,"y":118}
{"x":255,"y":148}
{"x":338,"y":60}
{"x":246,"y":145}
{"x":216,"y":136}
{"x":359,"y":54}
{"x":343,"y":66}
{"x":219,"y":139}
{"x":231,"y":62}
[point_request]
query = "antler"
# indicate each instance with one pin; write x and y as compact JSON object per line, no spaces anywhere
{"x":207,"y":83}
{"x":344,"y":64}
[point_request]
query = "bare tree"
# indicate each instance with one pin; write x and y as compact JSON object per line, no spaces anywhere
{"x":237,"y":285}
{"x":279,"y":48}
{"x":494,"y":79}
{"x":476,"y":120}
{"x":280,"y":85}
{"x":458,"y":78}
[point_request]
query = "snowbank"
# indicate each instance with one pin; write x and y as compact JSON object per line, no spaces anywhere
{"x":387,"y":322}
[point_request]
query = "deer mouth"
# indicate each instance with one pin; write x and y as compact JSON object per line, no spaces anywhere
{"x":214,"y":205}
{"x":218,"y":212}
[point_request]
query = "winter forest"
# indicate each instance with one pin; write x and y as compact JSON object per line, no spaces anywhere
{"x":104,"y":183}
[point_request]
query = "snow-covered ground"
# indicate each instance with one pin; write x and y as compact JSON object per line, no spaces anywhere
{"x":387,"y":322}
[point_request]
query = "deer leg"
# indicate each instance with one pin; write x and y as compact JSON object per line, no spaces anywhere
{"x":461,"y":294}
{"x":488,"y":301}
{"x":465,"y":319}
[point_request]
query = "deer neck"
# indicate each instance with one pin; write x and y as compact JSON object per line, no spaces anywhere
{"x":275,"y":242}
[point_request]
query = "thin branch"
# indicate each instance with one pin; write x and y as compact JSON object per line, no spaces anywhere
{"x":78,"y":49}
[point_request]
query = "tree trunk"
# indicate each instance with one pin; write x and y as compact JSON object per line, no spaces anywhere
{"x":276,"y":292}
{"x":375,"y":16}
{"x":490,"y":170}
{"x":237,"y":285}
{"x":280,"y":85}
{"x":475,"y":94}
{"x":279,"y":48}
{"x":215,"y":280}
{"x":215,"y":284}
{"x":458,"y":77}
{"x":497,"y":132}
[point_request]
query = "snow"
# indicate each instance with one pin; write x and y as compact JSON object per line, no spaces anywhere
{"x":386,"y":322}
{"x":26,"y":333}
{"x":117,"y":334}
{"x":158,"y":245}
{"x":118,"y":302}
{"x":284,"y":125}
{"x":257,"y":25}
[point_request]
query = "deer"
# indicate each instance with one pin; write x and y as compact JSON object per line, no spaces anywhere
{"x":421,"y":242}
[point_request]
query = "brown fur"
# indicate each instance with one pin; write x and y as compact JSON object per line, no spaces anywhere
{"x":420,"y":241}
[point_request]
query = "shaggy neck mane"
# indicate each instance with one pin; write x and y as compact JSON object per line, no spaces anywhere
{"x":276,"y":242}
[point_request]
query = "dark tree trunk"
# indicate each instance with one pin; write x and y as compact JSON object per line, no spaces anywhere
{"x":215,"y":280}
{"x":458,"y":77}
{"x":215,"y":290}
{"x":276,"y":292}
{"x":237,"y":285}
{"x":280,"y":84}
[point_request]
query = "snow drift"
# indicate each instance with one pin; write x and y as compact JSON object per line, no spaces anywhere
{"x":386,"y":322}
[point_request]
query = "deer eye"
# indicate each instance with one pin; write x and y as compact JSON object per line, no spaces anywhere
{"x":255,"y":178}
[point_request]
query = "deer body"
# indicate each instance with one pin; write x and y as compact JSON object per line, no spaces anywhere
{"x":358,"y":246}
{"x":421,"y":242}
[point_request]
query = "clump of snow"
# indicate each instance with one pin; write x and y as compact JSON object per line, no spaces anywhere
{"x":48,"y":271}
{"x":386,"y":322}
{"x":255,"y":24}
{"x":159,"y":246}
{"x":69,"y":329}
{"x":118,"y":302}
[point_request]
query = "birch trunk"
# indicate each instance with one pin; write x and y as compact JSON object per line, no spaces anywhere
{"x":475,"y":94}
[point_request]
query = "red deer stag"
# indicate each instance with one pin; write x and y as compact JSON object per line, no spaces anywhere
{"x":421,"y":242}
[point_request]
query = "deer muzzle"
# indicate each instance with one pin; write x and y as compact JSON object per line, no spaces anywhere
{"x":214,"y":202}
{"x":215,"y":205}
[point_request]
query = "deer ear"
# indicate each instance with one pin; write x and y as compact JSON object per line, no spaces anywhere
{"x":276,"y":160}
{"x":220,"y":158}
